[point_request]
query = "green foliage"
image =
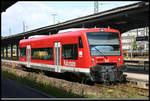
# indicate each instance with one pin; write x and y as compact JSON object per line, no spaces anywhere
{"x":30,"y":80}
{"x":45,"y":86}
{"x":41,"y":73}
{"x":134,"y":46}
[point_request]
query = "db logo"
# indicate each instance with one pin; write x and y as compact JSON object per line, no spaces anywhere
{"x":106,"y":60}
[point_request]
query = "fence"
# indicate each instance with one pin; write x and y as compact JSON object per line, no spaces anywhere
{"x":135,"y":62}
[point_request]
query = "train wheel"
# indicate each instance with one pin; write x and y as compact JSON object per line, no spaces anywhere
{"x":122,"y":78}
{"x":106,"y":79}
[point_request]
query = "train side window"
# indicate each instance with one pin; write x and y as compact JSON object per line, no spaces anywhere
{"x":80,"y":43}
{"x":22,"y":52}
{"x":70,"y":51}
{"x":42,"y":53}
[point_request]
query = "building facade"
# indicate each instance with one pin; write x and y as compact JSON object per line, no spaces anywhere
{"x":129,"y":37}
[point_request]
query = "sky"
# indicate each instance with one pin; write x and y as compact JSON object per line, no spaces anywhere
{"x":36,"y":14}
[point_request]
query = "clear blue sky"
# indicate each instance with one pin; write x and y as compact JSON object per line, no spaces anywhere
{"x":39,"y":14}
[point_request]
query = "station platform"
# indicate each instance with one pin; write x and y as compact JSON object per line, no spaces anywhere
{"x":12,"y":89}
{"x":140,"y":80}
{"x":137,"y":76}
{"x":136,"y":59}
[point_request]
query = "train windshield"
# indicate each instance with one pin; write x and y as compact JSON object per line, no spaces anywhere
{"x":104,"y":43}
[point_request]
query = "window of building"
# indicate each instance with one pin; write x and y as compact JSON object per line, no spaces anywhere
{"x":70,"y":51}
{"x":22,"y":52}
{"x":42,"y":53}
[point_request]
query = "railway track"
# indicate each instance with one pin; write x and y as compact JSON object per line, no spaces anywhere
{"x":110,"y":88}
{"x":122,"y":87}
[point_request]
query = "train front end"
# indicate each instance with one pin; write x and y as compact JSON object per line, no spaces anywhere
{"x":106,"y":56}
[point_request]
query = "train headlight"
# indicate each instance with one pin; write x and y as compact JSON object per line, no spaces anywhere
{"x":102,"y":29}
{"x":93,"y":60}
{"x":118,"y":59}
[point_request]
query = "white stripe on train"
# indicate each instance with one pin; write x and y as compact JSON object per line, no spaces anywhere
{"x":56,"y":68}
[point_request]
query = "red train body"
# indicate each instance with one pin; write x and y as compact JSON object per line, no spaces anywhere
{"x":95,"y":52}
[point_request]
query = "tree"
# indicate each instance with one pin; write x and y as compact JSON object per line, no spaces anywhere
{"x":134,"y":46}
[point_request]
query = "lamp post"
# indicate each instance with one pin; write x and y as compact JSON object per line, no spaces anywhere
{"x":95,"y":6}
{"x":9,"y":31}
{"x":131,"y":44}
{"x":54,"y":14}
{"x":23,"y":26}
{"x":26,"y":27}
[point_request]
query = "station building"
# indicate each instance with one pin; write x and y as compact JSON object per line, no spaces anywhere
{"x":129,"y":37}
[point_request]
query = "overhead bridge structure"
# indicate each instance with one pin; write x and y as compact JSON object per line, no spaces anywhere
{"x":122,"y":18}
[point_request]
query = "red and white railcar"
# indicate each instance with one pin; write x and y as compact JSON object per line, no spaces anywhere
{"x":95,"y":52}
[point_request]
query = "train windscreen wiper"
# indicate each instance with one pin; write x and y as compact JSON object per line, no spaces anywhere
{"x":99,"y":51}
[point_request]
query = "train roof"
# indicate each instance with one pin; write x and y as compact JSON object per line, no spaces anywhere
{"x":68,"y":32}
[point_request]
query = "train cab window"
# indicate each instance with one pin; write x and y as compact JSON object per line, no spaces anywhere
{"x":70,"y":51}
{"x":80,"y":43}
{"x":22,"y":52}
{"x":42,"y":53}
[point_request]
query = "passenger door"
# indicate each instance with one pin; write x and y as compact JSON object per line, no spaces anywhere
{"x":81,"y":59}
{"x":28,"y":55}
{"x":57,"y":56}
